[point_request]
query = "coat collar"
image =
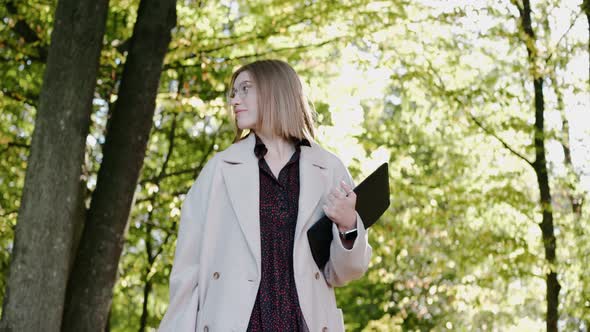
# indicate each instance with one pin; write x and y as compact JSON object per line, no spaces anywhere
{"x":243,"y":152}
{"x":241,"y":175}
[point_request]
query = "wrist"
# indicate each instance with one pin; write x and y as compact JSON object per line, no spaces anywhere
{"x":346,"y":228}
{"x":343,"y":227}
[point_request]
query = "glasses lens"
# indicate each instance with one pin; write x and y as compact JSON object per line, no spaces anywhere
{"x":241,"y":90}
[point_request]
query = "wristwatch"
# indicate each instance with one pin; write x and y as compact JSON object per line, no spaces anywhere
{"x":349,"y":234}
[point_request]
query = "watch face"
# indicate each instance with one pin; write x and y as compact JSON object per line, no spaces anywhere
{"x":351,"y":235}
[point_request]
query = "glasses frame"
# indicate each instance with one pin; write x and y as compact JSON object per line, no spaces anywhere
{"x":241,"y":91}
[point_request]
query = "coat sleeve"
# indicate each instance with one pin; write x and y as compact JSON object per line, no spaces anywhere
{"x":181,"y":314}
{"x":344,"y":264}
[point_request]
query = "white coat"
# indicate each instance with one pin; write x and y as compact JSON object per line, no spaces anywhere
{"x":216,"y":270}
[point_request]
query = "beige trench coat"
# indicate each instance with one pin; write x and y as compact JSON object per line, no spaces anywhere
{"x":216,"y":270}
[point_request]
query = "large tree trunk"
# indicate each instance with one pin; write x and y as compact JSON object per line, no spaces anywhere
{"x":540,"y":167}
{"x":95,"y":269}
{"x":52,"y":203}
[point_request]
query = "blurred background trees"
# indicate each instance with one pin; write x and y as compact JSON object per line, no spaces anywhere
{"x":444,"y":91}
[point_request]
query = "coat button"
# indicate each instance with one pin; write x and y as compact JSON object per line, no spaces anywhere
{"x":216,"y":275}
{"x":317,"y":276}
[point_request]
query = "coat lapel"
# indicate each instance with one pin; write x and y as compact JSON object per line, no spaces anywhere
{"x":241,"y":177}
{"x":312,"y":182}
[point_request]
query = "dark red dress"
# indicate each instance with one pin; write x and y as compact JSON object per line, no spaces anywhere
{"x":277,"y":304}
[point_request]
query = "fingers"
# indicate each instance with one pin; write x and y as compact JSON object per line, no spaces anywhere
{"x":343,"y":192}
{"x":347,"y":189}
{"x":331,"y":199}
{"x":339,"y":199}
{"x":338,"y":193}
{"x":345,"y":186}
{"x":341,"y":213}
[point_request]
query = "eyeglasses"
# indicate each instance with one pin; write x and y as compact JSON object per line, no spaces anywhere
{"x":241,"y":91}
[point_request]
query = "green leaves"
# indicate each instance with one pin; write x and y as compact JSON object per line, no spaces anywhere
{"x":438,"y":91}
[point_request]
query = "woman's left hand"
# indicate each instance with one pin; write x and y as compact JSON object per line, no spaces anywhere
{"x":340,"y":207}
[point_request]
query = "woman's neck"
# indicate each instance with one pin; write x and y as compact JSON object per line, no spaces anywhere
{"x":277,"y":147}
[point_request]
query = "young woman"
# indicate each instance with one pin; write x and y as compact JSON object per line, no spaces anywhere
{"x":242,"y":260}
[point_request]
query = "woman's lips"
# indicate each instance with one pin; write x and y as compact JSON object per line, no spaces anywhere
{"x":239,"y":111}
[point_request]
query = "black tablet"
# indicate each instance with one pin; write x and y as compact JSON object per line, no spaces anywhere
{"x":372,"y":199}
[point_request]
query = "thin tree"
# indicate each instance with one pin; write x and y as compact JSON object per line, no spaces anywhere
{"x":540,"y":168}
{"x":586,"y":8}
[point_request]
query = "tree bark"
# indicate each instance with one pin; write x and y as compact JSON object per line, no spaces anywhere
{"x":147,"y":289}
{"x":547,"y":225}
{"x":147,"y":286}
{"x":586,"y":8}
{"x":52,"y":195}
{"x":540,"y":168}
{"x":94,"y":273}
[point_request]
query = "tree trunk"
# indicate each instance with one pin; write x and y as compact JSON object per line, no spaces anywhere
{"x":586,"y":8}
{"x":95,"y":269}
{"x":51,"y":203}
{"x":147,"y":287}
{"x":547,"y":226}
{"x":540,"y":167}
{"x":107,"y":327}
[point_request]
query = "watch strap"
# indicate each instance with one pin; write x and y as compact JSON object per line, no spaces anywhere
{"x":349,"y":234}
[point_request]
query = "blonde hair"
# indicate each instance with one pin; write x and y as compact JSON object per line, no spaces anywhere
{"x":283,"y":109}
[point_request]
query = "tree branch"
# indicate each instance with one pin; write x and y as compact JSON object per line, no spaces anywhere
{"x":19,"y":145}
{"x":284,"y":22}
{"x":22,"y":28}
{"x":472,"y":117}
{"x":178,"y":65}
{"x":290,"y":48}
{"x":28,"y":99}
{"x":166,"y":175}
{"x":491,"y":133}
{"x":16,"y":145}
{"x":149,"y":198}
{"x":9,"y":213}
{"x":563,"y":36}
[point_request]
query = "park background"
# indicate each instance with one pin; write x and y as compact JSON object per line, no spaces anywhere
{"x":480,"y":107}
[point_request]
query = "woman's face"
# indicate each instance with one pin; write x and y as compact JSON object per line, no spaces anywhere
{"x":243,"y":101}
